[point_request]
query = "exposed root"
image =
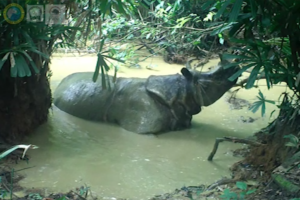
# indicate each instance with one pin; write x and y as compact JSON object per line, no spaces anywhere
{"x":234,"y":140}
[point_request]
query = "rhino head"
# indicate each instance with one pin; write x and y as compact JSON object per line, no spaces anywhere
{"x":185,"y":94}
{"x":207,"y":87}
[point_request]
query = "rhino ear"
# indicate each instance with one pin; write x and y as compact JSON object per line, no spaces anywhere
{"x":187,"y":74}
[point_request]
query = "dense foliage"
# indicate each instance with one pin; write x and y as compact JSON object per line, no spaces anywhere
{"x":265,"y":39}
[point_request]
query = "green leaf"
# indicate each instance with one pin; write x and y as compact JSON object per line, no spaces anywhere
{"x":104,"y":7}
{"x":291,"y":144}
{"x":28,"y":38}
{"x":235,"y":28}
{"x":263,"y":109}
{"x":222,"y":9}
{"x":294,"y":139}
{"x":250,"y":191}
{"x":232,"y":64}
{"x":13,"y":67}
{"x":261,"y":94}
{"x":101,"y":45}
{"x":62,"y":198}
{"x":235,"y":10}
{"x":222,"y":28}
{"x":116,"y":59}
{"x":270,"y":101}
{"x":238,"y":73}
{"x":242,"y":195}
{"x":252,"y":77}
{"x":97,"y":68}
{"x":4,"y":59}
{"x":290,"y":81}
{"x":36,"y":70}
{"x":44,"y":37}
{"x":241,"y":185}
{"x":106,"y":67}
{"x":254,"y":8}
{"x":267,"y":75}
{"x":103,"y":78}
{"x":40,"y":53}
{"x":207,"y":4}
{"x":120,"y":6}
{"x":255,"y":106}
{"x":272,"y":113}
{"x":229,"y":195}
{"x":22,"y":66}
{"x":248,"y":50}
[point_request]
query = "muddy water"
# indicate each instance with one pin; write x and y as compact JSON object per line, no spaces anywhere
{"x":118,"y":163}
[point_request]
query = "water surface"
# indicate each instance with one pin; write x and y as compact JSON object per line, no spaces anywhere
{"x":118,"y":163}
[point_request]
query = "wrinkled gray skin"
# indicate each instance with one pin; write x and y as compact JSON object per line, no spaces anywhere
{"x":146,"y":106}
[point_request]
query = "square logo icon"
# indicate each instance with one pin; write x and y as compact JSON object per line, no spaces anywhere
{"x":35,"y":13}
{"x":55,"y":14}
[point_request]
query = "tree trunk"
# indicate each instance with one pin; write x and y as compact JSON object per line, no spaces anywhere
{"x":24,"y":103}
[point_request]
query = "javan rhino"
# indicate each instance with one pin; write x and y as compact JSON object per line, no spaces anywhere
{"x":144,"y":105}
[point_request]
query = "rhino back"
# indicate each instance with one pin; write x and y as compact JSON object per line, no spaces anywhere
{"x":133,"y":109}
{"x":78,"y":95}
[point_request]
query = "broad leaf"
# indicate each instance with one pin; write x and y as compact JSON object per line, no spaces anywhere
{"x":103,"y":79}
{"x":36,"y":70}
{"x":255,"y":106}
{"x":221,"y":11}
{"x":239,"y":73}
{"x":4,"y":59}
{"x":253,"y":77}
{"x":272,"y":113}
{"x":235,"y":10}
{"x":116,"y":59}
{"x":101,"y":45}
{"x":241,"y":185}
{"x":225,"y":26}
{"x":97,"y":68}
{"x":13,"y":67}
{"x":250,"y":191}
{"x":21,"y":66}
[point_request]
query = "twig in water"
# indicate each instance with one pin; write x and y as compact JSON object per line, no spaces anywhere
{"x":230,"y":139}
{"x":17,"y":170}
{"x":221,"y":182}
{"x":79,"y":195}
